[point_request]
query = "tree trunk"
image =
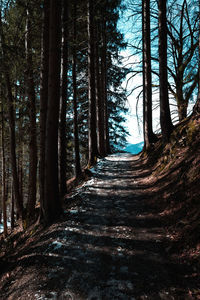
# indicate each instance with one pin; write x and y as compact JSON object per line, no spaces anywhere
{"x":19,"y":202}
{"x":20,"y":151}
{"x":4,"y":207}
{"x":43,"y":96}
{"x":165,"y":116}
{"x":52,"y":204}
{"x":99,"y":102}
{"x":104,"y":86}
{"x":78,"y":171}
{"x":63,"y":102}
{"x":12,"y":217}
{"x":149,"y":136}
{"x":182,"y":108}
{"x":143,"y":79}
{"x":11,"y":117}
{"x":92,"y":134}
{"x":196,"y":109}
{"x":32,"y":117}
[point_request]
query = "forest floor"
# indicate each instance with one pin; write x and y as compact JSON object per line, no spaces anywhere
{"x":113,"y":243}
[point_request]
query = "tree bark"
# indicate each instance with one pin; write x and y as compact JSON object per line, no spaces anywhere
{"x":32,"y":117}
{"x":4,"y":207}
{"x":78,"y":171}
{"x":196,"y":109}
{"x":143,"y":79}
{"x":11,"y":117}
{"x":99,"y":99}
{"x":43,"y":97}
{"x":63,"y":102}
{"x":52,"y":204}
{"x":12,"y":217}
{"x":104,"y":87}
{"x":20,"y":149}
{"x":165,"y":116}
{"x":149,"y":136}
{"x":19,"y":202}
{"x":92,"y":134}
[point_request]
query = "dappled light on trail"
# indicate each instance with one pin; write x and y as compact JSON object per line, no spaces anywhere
{"x":111,"y":245}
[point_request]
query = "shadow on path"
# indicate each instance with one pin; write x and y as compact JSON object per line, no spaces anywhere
{"x":113,"y":246}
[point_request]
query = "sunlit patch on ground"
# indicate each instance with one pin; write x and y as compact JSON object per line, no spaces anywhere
{"x":110,"y":246}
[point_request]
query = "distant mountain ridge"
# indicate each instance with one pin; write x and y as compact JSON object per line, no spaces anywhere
{"x":134,"y":148}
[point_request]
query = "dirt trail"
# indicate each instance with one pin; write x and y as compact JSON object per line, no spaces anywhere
{"x":111,"y":246}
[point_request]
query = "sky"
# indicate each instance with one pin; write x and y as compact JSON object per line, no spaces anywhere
{"x":133,"y":122}
{"x":134,"y":118}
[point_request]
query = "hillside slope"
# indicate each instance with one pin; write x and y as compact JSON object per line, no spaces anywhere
{"x":176,"y":175}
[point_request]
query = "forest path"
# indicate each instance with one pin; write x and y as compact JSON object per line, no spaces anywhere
{"x":110,"y":246}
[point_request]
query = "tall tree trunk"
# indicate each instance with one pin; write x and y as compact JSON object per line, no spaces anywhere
{"x":92,"y":134}
{"x":32,"y":117}
{"x":12,"y":217}
{"x":149,"y":136}
{"x":11,"y":117}
{"x":52,"y":204}
{"x":99,"y":99}
{"x":78,"y":171}
{"x":143,"y":79}
{"x":165,"y":116}
{"x":4,"y":207}
{"x":104,"y":86}
{"x":43,"y":96}
{"x":20,"y":150}
{"x":64,"y":96}
{"x":19,"y":202}
{"x":196,"y":109}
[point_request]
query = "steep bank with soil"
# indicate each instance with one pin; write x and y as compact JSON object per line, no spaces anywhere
{"x":176,"y":174}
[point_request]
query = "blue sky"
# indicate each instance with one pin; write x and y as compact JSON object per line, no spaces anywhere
{"x":131,"y":29}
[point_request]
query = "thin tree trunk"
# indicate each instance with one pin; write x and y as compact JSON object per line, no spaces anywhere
{"x":12,"y":208}
{"x":196,"y":109}
{"x":143,"y":79}
{"x":63,"y":102}
{"x":165,"y":116}
{"x":33,"y":132}
{"x":92,"y":134}
{"x":4,"y":207}
{"x":78,"y":171}
{"x":43,"y":97}
{"x":52,"y":204}
{"x":149,"y":136}
{"x":11,"y":117}
{"x":19,"y":202}
{"x":99,"y":102}
{"x":104,"y":87}
{"x":20,"y":151}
